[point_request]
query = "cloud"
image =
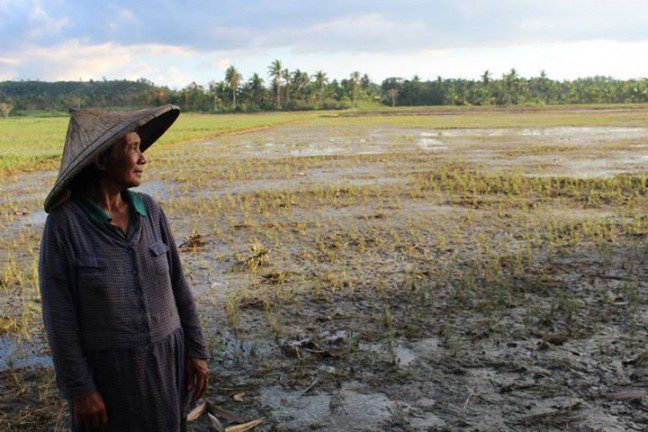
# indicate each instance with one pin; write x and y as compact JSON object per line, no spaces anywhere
{"x":41,"y":24}
{"x":364,"y":33}
{"x":332,"y":26}
{"x":215,"y":63}
{"x":174,"y":43}
{"x":177,"y":66}
{"x":123,"y":19}
{"x":73,"y":60}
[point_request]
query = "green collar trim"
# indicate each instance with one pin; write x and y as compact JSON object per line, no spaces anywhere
{"x":136,"y":199}
{"x":100,"y":215}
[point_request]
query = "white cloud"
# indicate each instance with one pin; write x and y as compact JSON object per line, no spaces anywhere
{"x":178,"y":66}
{"x":176,"y":78}
{"x":122,"y":19}
{"x":73,"y":60}
{"x":9,"y":61}
{"x":560,"y":61}
{"x":371,"y":32}
{"x":7,"y":75}
{"x":41,"y":24}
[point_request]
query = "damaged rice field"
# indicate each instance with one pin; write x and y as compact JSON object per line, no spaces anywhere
{"x":432,"y":270}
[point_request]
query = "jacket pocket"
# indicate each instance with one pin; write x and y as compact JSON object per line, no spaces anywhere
{"x":159,"y":251}
{"x":108,"y":298}
{"x":92,"y":271}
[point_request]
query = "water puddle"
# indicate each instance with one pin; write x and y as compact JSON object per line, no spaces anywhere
{"x":360,"y":411}
{"x":20,"y":354}
{"x":470,"y":145}
{"x":306,"y":180}
{"x":576,"y":133}
{"x":34,"y":219}
{"x":594,"y":168}
{"x":316,"y":150}
{"x":17,"y":197}
{"x":405,"y":355}
{"x":431,"y":144}
{"x":292,"y":411}
{"x":426,"y":422}
{"x":158,"y":189}
{"x":589,"y":152}
{"x":36,"y":179}
{"x":232,"y":352}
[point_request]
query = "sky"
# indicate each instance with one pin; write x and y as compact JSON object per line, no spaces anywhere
{"x":177,"y":42}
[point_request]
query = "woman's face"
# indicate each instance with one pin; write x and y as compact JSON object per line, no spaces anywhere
{"x":125,"y":164}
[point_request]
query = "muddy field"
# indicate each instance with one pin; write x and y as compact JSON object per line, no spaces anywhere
{"x":368,"y":277}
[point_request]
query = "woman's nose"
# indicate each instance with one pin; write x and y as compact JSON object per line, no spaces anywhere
{"x":142,"y":159}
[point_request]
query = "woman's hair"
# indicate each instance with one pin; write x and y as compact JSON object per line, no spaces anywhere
{"x":91,"y":174}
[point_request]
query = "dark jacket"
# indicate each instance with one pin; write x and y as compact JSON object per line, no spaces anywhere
{"x":102,"y":289}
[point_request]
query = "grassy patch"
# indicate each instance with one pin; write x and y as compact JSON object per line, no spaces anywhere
{"x":28,"y":143}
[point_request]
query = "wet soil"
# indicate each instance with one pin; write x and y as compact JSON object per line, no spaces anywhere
{"x":372,"y":308}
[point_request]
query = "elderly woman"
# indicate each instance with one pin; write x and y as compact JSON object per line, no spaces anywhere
{"x":121,"y":322}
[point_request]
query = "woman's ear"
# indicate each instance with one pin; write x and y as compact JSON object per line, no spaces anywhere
{"x":100,"y":161}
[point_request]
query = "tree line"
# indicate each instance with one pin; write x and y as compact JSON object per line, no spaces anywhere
{"x":283,"y":89}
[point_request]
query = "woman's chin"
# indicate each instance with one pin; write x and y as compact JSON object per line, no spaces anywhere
{"x":135,"y":182}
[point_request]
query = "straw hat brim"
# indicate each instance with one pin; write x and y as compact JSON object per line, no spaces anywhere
{"x":150,"y":125}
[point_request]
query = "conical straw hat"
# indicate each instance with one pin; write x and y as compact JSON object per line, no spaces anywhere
{"x":91,"y":131}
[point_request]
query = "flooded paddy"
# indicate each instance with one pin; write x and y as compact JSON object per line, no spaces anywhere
{"x":382,"y":277}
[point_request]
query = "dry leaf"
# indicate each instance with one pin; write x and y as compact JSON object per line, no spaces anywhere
{"x":197,"y":412}
{"x":228,"y":415}
{"x":215,"y":423}
{"x":245,"y":426}
{"x":238,"y":397}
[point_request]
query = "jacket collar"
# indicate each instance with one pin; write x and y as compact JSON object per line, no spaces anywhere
{"x":99,"y":214}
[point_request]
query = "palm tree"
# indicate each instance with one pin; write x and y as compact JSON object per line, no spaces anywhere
{"x":355,"y":87}
{"x":256,"y":87}
{"x":233,"y":78}
{"x":486,"y":77}
{"x":300,"y":82}
{"x":320,"y":86}
{"x":214,"y":92}
{"x":285,"y":74}
{"x":274,"y":70}
{"x":392,"y":93}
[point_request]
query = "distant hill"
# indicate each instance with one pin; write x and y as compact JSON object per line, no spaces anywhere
{"x":33,"y":96}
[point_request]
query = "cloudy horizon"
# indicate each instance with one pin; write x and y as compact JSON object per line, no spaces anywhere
{"x":176,"y":43}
